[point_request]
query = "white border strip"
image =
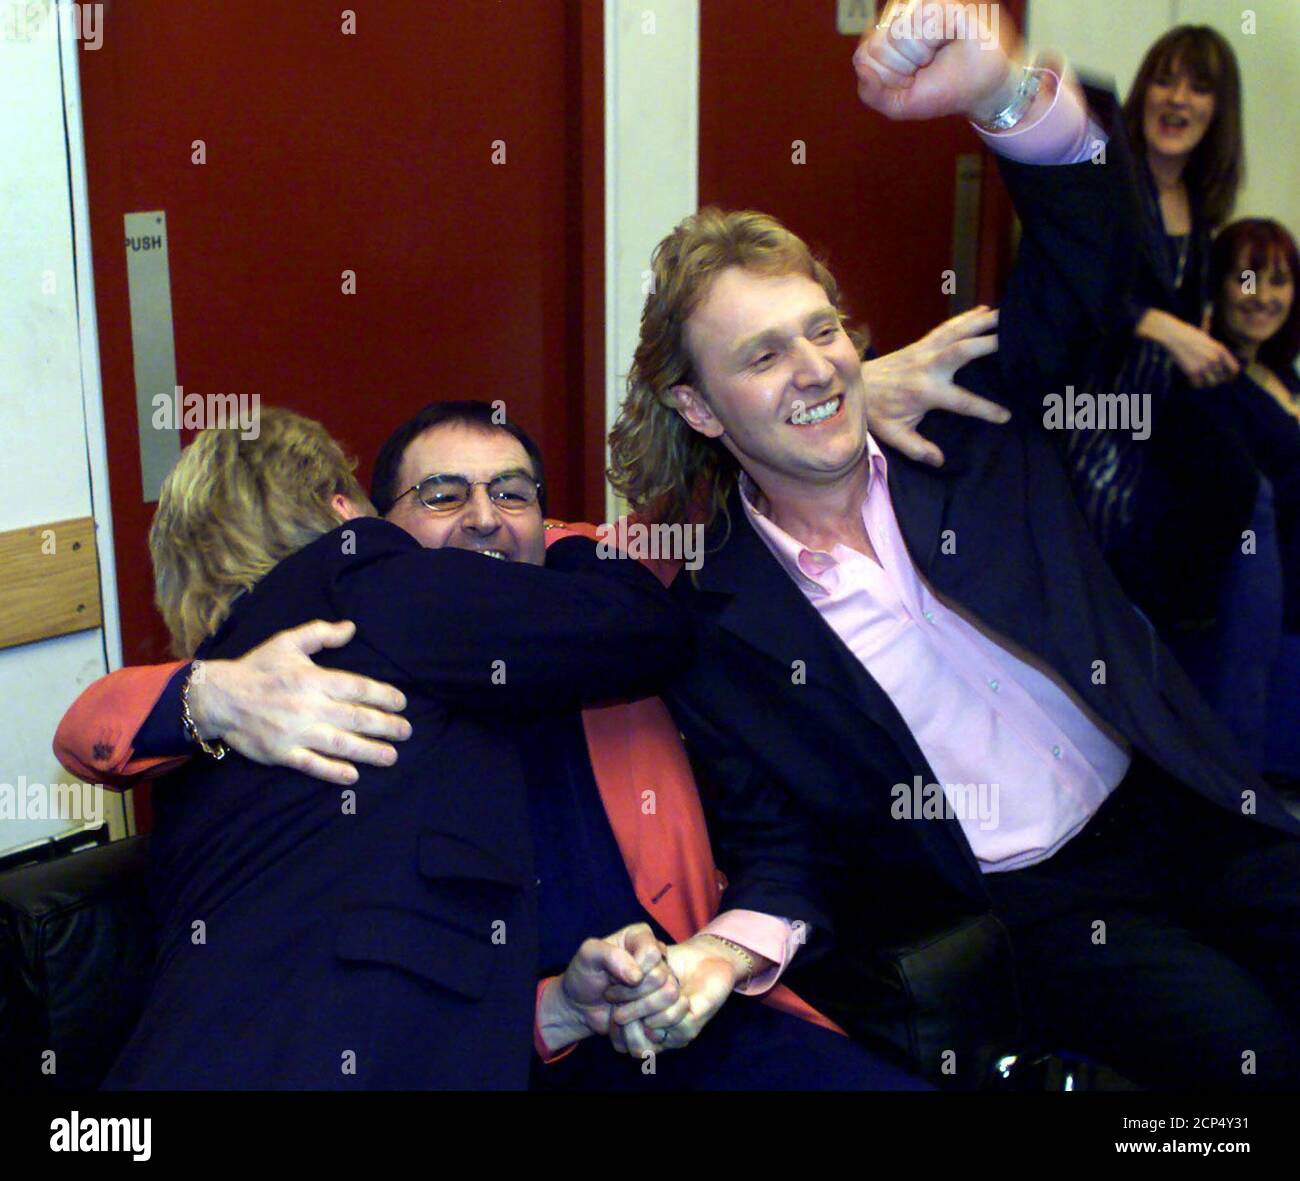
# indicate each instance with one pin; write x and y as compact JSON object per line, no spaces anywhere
{"x":92,"y":390}
{"x":119,"y":809}
{"x":652,"y":129}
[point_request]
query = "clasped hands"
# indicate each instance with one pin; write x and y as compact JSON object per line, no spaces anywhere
{"x":644,"y":995}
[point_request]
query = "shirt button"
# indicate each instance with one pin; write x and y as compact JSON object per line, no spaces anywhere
{"x":1056,"y":752}
{"x":994,"y":685}
{"x":929,"y":616}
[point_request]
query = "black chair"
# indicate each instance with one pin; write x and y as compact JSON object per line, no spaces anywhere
{"x":76,"y":955}
{"x":77,"y":952}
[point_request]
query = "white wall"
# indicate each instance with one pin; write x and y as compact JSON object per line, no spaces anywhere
{"x":1112,"y":37}
{"x":45,"y":469}
{"x":1270,"y":71}
{"x":652,"y":66}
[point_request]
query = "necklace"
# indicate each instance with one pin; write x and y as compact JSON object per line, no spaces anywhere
{"x":1184,"y":250}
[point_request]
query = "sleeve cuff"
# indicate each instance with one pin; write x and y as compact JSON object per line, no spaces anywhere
{"x":547,"y":1056}
{"x":1063,"y":134}
{"x":776,"y":939}
{"x":162,"y":736}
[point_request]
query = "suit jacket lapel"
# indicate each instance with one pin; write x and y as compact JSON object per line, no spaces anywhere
{"x":770,"y":613}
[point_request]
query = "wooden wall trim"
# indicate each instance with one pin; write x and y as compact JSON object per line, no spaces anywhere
{"x":49,"y":581}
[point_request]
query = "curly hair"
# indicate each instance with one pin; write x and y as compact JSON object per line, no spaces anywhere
{"x":233,"y":508}
{"x":666,"y":470}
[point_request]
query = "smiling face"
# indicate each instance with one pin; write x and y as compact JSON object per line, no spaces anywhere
{"x":1252,"y":317}
{"x":779,"y":381}
{"x":1177,"y":112}
{"x":480,"y":524}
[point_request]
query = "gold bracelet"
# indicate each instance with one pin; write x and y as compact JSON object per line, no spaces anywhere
{"x":740,"y":951}
{"x":216,"y":749}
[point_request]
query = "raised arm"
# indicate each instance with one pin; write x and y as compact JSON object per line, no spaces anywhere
{"x":1070,"y":178}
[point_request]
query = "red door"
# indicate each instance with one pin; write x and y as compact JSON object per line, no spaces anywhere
{"x":448,"y":154}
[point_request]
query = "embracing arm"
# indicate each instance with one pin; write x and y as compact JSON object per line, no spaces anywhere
{"x":608,"y":634}
{"x":1071,"y":181}
{"x":587,"y":627}
{"x":904,"y":386}
{"x":273,"y":705}
{"x":96,"y":737}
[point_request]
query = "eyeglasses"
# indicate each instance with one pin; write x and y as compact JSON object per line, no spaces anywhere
{"x":513,"y":492}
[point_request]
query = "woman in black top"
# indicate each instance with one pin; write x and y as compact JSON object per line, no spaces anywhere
{"x":1167,"y":535}
{"x":1253,"y":273}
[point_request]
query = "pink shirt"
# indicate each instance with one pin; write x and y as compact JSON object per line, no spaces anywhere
{"x":1063,"y":134}
{"x":1021,"y":763}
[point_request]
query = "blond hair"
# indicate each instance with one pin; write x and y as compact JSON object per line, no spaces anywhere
{"x":668,"y":471}
{"x":232,"y":508}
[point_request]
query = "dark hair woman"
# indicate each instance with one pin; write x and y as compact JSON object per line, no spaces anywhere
{"x":1169,"y":534}
{"x":1253,"y":272}
{"x":1183,"y":117}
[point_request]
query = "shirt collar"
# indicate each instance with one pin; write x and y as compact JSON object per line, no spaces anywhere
{"x":812,"y":569}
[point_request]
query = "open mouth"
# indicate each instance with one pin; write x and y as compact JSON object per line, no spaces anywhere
{"x":819,"y":413}
{"x":493,"y":553}
{"x":1174,"y":123}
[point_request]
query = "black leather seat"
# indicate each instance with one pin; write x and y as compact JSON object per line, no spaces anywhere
{"x":76,"y":954}
{"x":76,"y":957}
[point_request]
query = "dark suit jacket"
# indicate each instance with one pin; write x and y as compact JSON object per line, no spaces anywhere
{"x":395,"y":921}
{"x":796,"y":777}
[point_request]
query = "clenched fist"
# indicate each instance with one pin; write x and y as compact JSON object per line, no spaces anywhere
{"x":929,"y":58}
